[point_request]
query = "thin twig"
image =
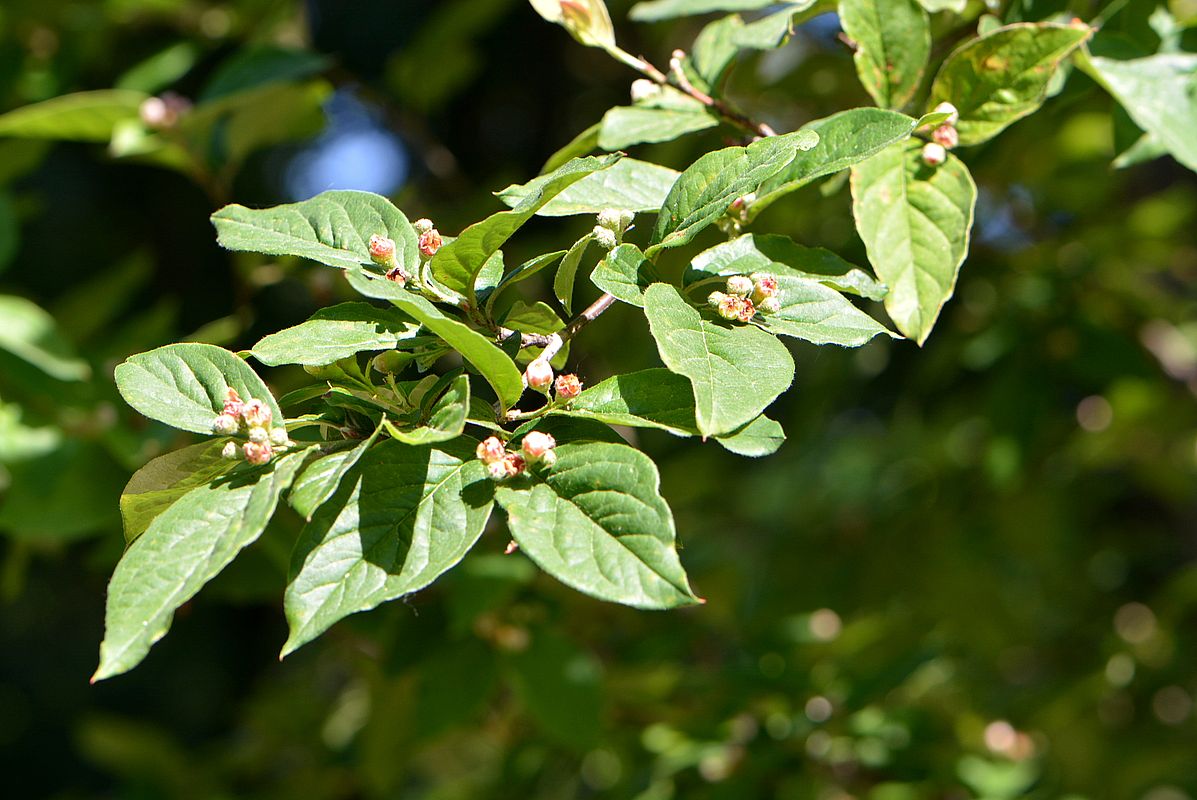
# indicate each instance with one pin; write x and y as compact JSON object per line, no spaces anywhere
{"x":718,"y":106}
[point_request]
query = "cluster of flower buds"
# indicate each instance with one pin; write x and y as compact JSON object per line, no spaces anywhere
{"x":382,"y":252}
{"x":430,"y":237}
{"x":745,"y":296}
{"x":163,"y":112}
{"x":612,"y":224}
{"x":251,"y":419}
{"x":539,"y":375}
{"x":502,"y":464}
{"x":943,"y":138}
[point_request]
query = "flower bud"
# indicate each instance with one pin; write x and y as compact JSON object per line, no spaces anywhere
{"x":423,"y":225}
{"x":259,"y":435}
{"x":536,"y":444}
{"x":278,"y":437}
{"x":549,"y":459}
{"x":610,"y":218}
{"x":715,"y":299}
{"x":729,"y":306}
{"x":605,"y":237}
{"x":644,"y":89}
{"x":770,"y":305}
{"x":947,"y":136}
{"x":949,"y":109}
{"x":539,"y":375}
{"x":232,"y":403}
{"x":231,"y":451}
{"x":491,"y":450}
{"x":763,"y":286}
{"x":257,"y":454}
{"x":163,"y":112}
{"x":226,"y":425}
{"x":430,"y":242}
{"x":568,"y":386}
{"x":256,"y":414}
{"x":747,"y":310}
{"x":509,"y":466}
{"x":496,"y":470}
{"x":625,"y":218}
{"x":934,"y":154}
{"x":397,"y":275}
{"x":382,"y":250}
{"x":739,"y":285}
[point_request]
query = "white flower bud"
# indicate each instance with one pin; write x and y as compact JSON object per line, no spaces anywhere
{"x":536,"y":444}
{"x":491,"y":450}
{"x":539,"y":374}
{"x":625,"y":218}
{"x":256,"y":413}
{"x":225,"y":425}
{"x":278,"y":437}
{"x":231,"y":451}
{"x":549,"y":459}
{"x":644,"y":89}
{"x":605,"y":237}
{"x":610,"y":218}
{"x":739,"y":285}
{"x":934,"y":154}
{"x":423,"y":225}
{"x":949,"y":109}
{"x":770,"y":305}
{"x":259,"y":435}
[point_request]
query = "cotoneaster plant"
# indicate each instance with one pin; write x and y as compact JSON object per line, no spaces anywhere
{"x":397,"y":467}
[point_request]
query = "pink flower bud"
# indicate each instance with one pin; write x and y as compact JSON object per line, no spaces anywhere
{"x":491,"y":450}
{"x":747,"y":310}
{"x":539,"y":375}
{"x":397,"y":275}
{"x":739,"y":285}
{"x":537,"y":443}
{"x":232,"y":403}
{"x":568,"y":386}
{"x":257,"y":454}
{"x":729,"y":306}
{"x":430,"y":242}
{"x":226,"y":425}
{"x":382,"y":249}
{"x":934,"y":154}
{"x":763,"y":286}
{"x":947,"y":136}
{"x":949,"y":109}
{"x":514,"y":463}
{"x":256,"y":414}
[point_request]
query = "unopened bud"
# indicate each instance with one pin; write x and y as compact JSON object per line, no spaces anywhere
{"x":729,"y":306}
{"x":397,"y":275}
{"x":568,"y":386}
{"x":496,"y":470}
{"x":549,"y":459}
{"x":575,"y":14}
{"x":258,"y":435}
{"x":257,"y":454}
{"x":231,"y":451}
{"x":430,"y":242}
{"x":934,"y":154}
{"x":947,"y":136}
{"x":644,"y":89}
{"x":163,"y":112}
{"x":491,"y":450}
{"x":536,"y":444}
{"x":625,"y":218}
{"x":256,"y":414}
{"x":610,"y":218}
{"x":278,"y":437}
{"x":949,"y":109}
{"x":232,"y":403}
{"x":763,"y":286}
{"x":539,"y":374}
{"x":770,"y":305}
{"x":715,"y":299}
{"x":226,"y":425}
{"x":605,"y":237}
{"x":382,"y":249}
{"x":747,"y":310}
{"x":423,"y":225}
{"x":739,"y":285}
{"x":509,"y":466}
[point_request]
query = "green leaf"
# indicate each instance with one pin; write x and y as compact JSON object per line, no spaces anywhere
{"x":1158,"y":93}
{"x":625,"y":273}
{"x":561,"y":687}
{"x":650,"y":398}
{"x":755,"y":252}
{"x":442,"y":415}
{"x":810,"y":309}
{"x":323,"y":476}
{"x":846,"y":138}
{"x":401,"y":518}
{"x":162,"y":481}
{"x":260,"y":65}
{"x":598,"y":523}
{"x":160,"y":70}
{"x":79,"y":117}
{"x":492,"y":363}
{"x":185,"y":385}
{"x":759,"y":438}
{"x":893,"y":43}
{"x":717,"y":45}
{"x":915,"y":221}
{"x":334,"y":333}
{"x":625,"y":126}
{"x":735,"y":371}
{"x":535,"y":317}
{"x":525,"y":271}
{"x":32,"y":335}
{"x":456,"y":265}
{"x":670,"y":9}
{"x":629,"y":184}
{"x":332,"y":228}
{"x":566,"y":277}
{"x":999,"y":78}
{"x":704,"y":191}
{"x":1146,"y":148}
{"x":181,"y":550}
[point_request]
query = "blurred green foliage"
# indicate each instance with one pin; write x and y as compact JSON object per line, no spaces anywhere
{"x":968,"y":574}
